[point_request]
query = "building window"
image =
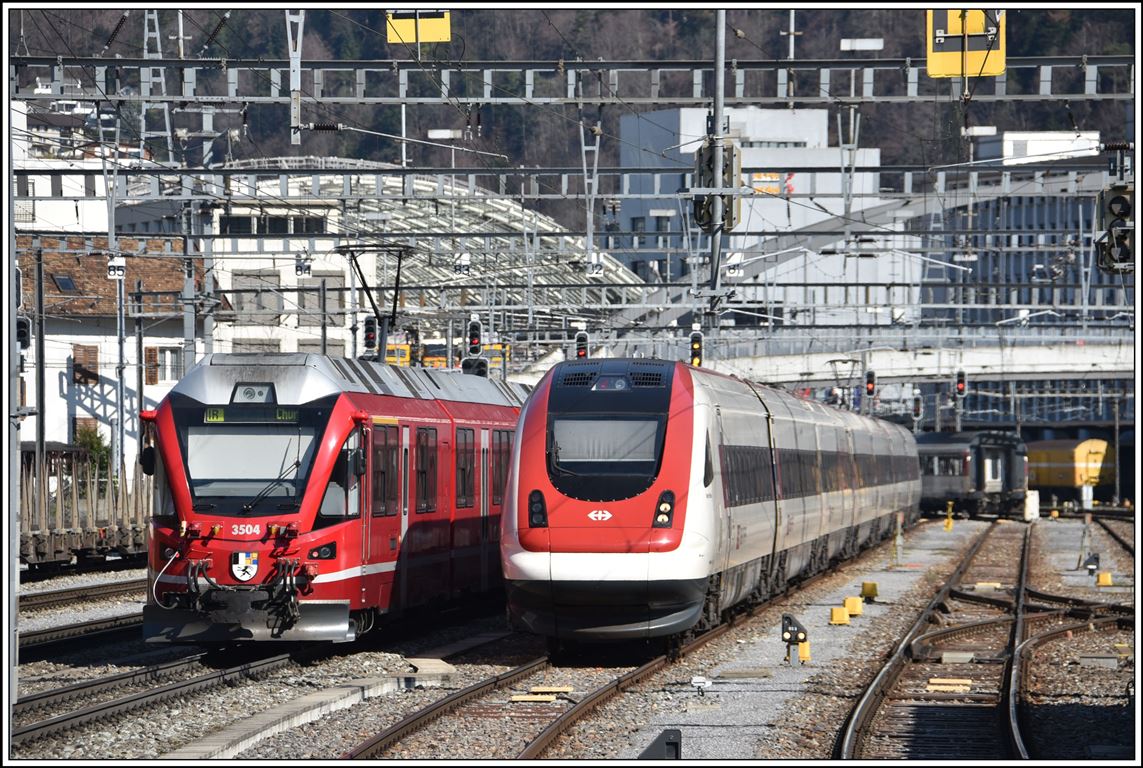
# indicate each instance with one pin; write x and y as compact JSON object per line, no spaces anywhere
{"x":309,"y":225}
{"x":309,"y":289}
{"x":85,"y":364}
{"x":163,"y":364}
{"x":64,"y":283}
{"x":274,"y":225}
{"x":83,"y":424}
{"x":236,"y":225}
{"x":638,"y":224}
{"x":57,"y":186}
{"x":25,"y":209}
{"x":257,"y":300}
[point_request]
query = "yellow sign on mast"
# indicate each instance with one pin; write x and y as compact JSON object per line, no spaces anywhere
{"x":415,"y":27}
{"x":965,"y":43}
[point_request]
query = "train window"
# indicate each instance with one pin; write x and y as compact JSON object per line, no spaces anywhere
{"x":501,"y":455}
{"x":747,"y":474}
{"x":384,"y":471}
{"x":949,"y":466}
{"x":603,"y":457}
{"x":341,"y":497}
{"x":611,"y":441}
{"x":426,"y":469}
{"x":708,"y":467}
{"x":465,"y":464}
{"x":243,"y":460}
{"x":164,"y":502}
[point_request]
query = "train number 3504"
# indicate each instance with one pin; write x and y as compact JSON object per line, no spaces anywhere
{"x":243,"y":529}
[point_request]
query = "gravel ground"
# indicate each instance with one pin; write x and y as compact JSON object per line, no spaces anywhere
{"x":797,"y":718}
{"x":136,"y":737}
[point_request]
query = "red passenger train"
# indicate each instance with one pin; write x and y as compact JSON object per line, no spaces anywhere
{"x":648,"y":498}
{"x":302,"y":497}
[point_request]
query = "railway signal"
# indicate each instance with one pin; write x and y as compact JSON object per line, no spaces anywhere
{"x":1117,"y":220}
{"x":477,"y":366}
{"x":870,"y":383}
{"x":918,"y":408}
{"x":793,"y":633}
{"x":370,"y":332}
{"x":474,"y":329}
{"x":581,"y":345}
{"x":960,"y":384}
{"x":696,"y":349}
{"x":23,"y":331}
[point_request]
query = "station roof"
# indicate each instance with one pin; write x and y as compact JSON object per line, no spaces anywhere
{"x":453,"y":234}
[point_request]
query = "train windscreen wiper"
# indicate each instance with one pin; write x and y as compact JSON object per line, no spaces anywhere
{"x":265,"y":491}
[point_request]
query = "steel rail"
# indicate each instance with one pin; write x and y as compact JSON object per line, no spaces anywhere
{"x":866,"y":707}
{"x":104,"y":710}
{"x":372,"y":747}
{"x":29,"y":600}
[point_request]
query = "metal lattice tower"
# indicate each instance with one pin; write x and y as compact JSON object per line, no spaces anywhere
{"x":153,"y":82}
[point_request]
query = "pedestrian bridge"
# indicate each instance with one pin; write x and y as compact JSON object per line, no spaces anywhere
{"x":1023,"y":362}
{"x":1072,"y":360}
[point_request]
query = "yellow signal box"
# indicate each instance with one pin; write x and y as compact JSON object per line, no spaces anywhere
{"x":965,"y":43}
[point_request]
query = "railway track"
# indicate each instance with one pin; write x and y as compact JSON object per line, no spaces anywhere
{"x":1120,"y":532}
{"x":939,"y":695}
{"x":562,"y":705}
{"x":953,"y":691}
{"x":109,"y":709}
{"x":54,"y":640}
{"x":35,"y":704}
{"x":56,"y":597}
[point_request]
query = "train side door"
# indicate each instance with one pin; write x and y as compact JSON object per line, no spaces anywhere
{"x":484,"y":497}
{"x":403,"y":505}
{"x":725,"y":533}
{"x":384,"y":519}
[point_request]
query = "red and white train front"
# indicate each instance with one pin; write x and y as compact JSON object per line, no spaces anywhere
{"x":605,"y":532}
{"x":257,"y":470}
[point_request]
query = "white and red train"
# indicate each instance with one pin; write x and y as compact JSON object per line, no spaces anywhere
{"x":301,"y":497}
{"x":647,"y":498}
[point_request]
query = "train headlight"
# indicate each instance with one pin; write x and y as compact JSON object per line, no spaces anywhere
{"x":537,"y":510}
{"x":664,"y":510}
{"x":324,"y":552}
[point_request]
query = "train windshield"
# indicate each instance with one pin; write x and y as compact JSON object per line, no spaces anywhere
{"x":248,"y":460}
{"x":604,"y":457}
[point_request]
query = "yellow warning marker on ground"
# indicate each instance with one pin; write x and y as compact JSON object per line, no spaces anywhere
{"x":949,"y":685}
{"x":534,"y":697}
{"x":948,"y":518}
{"x":804,"y":651}
{"x":853,"y":606}
{"x":551,"y":689}
{"x":869,"y":590}
{"x":1103,"y":579}
{"x":838,"y":615}
{"x":1054,"y":514}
